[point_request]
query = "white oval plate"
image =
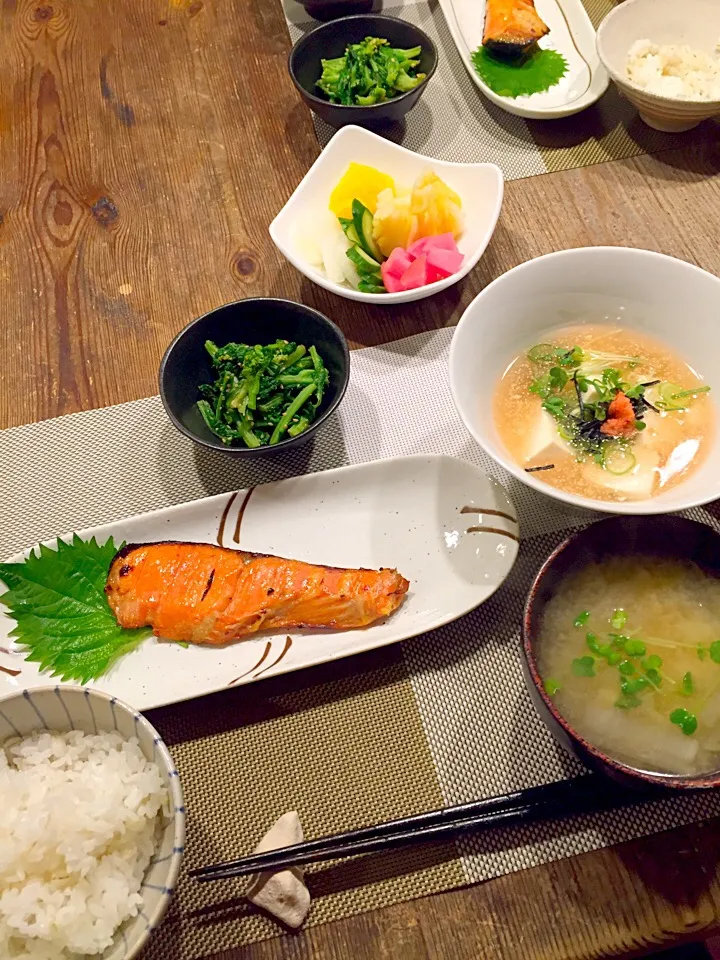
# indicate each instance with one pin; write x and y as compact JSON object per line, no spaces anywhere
{"x":571,"y":34}
{"x":446,"y":526}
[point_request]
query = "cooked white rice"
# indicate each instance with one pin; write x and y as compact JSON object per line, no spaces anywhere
{"x":674,"y":71}
{"x":78,"y":820}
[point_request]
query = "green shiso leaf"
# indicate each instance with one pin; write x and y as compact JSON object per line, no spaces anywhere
{"x":536,"y":73}
{"x":57,"y":599}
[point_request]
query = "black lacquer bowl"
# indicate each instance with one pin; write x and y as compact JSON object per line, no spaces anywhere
{"x":658,"y":536}
{"x":186,"y":364}
{"x":330,"y":40}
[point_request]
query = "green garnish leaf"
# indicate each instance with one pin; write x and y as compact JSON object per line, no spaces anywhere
{"x":613,"y":657}
{"x":687,"y":684}
{"x":558,"y":378}
{"x":592,"y":642}
{"x":715,"y":651}
{"x":583,"y":667}
{"x":627,"y":701}
{"x":701,"y":652}
{"x":635,"y":648}
{"x":654,"y":677}
{"x":551,"y":686}
{"x":626,"y":668}
{"x":555,"y":406}
{"x":685,"y":720}
{"x":57,"y":598}
{"x":618,"y":639}
{"x":653,"y":662}
{"x":618,"y":619}
{"x":581,"y":619}
{"x":520,"y":78}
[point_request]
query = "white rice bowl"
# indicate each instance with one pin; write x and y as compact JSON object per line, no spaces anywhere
{"x":79,"y":824}
{"x":679,"y":72}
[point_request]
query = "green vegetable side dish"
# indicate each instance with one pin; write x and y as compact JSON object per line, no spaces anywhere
{"x":262,"y":394}
{"x":57,"y":598}
{"x":370,"y":72}
{"x":535,"y":73}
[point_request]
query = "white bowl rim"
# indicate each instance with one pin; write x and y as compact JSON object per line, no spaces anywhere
{"x":624,"y":81}
{"x":404,"y":296}
{"x":637,"y":507}
{"x":176,"y":795}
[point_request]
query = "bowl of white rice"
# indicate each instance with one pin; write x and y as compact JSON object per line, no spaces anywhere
{"x":92,"y":827}
{"x":664,"y":56}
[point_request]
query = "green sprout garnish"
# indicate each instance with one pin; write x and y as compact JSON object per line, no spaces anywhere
{"x":592,"y":642}
{"x":626,"y":668}
{"x":583,"y":667}
{"x":618,"y":619}
{"x":627,"y":701}
{"x":551,"y":686}
{"x":618,"y":639}
{"x":685,"y":720}
{"x":613,"y":657}
{"x":687,"y":684}
{"x":701,"y":652}
{"x":636,"y":648}
{"x":715,"y":651}
{"x":582,"y":618}
{"x":653,"y":662}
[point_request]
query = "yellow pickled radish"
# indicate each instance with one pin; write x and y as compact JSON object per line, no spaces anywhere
{"x":434,"y":208}
{"x":359,"y":182}
{"x":392,"y":221}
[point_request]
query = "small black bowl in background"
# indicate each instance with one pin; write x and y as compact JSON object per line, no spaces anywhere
{"x":186,"y":364}
{"x":670,"y":537}
{"x":331,"y":39}
{"x":333,"y":9}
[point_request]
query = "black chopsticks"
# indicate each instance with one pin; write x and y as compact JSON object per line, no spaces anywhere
{"x":583,"y":794}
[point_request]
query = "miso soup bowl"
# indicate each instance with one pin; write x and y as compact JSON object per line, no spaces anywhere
{"x":670,"y":300}
{"x":664,"y":537}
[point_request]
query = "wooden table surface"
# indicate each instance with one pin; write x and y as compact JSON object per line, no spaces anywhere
{"x":145,"y":145}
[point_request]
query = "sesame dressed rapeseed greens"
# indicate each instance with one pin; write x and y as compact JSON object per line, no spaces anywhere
{"x":370,"y":72}
{"x":261,"y":394}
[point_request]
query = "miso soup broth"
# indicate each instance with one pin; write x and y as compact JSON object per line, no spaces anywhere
{"x":604,"y":412}
{"x":629,"y":651}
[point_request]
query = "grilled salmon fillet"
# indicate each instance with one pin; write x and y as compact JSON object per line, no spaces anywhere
{"x":512,"y":26}
{"x":199,"y":593}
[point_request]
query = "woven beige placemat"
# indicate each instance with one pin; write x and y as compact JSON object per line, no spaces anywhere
{"x":453,"y":121}
{"x":438,"y":720}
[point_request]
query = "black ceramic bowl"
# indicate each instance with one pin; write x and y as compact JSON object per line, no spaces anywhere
{"x":657,"y":536}
{"x":186,"y":363}
{"x":331,"y":39}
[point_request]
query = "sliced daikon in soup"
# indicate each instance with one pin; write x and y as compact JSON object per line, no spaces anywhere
{"x":629,"y":650}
